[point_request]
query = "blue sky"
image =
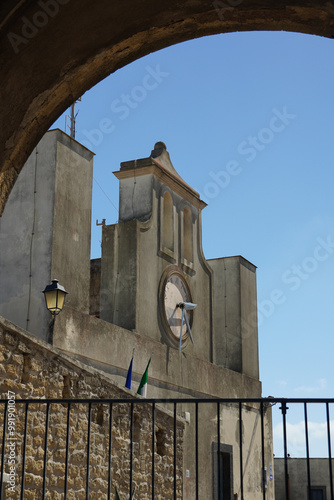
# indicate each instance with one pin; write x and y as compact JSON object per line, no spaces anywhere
{"x":248,"y":121}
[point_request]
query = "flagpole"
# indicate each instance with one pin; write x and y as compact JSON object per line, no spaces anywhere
{"x":129,"y":374}
{"x":142,"y":389}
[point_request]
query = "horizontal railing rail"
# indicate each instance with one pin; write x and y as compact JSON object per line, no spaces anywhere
{"x":82,"y":448}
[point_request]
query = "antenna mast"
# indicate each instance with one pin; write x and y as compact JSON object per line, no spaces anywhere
{"x":73,"y":118}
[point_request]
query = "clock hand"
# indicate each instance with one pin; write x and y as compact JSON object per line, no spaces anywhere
{"x":188,"y":306}
{"x":181,"y":328}
{"x":188,"y":327}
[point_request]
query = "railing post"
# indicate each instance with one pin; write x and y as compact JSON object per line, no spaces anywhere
{"x":196,"y":438}
{"x":24,"y":451}
{"x":284,"y":409}
{"x":241,"y":454}
{"x":3,"y":447}
{"x":88,"y":448}
{"x":175,"y":450}
{"x":131,"y":449}
{"x":153,"y":449}
{"x":45,"y":447}
{"x":329,"y":450}
{"x":262,"y":451}
{"x":109,"y":451}
{"x":307,"y":454}
{"x":219,"y":457}
{"x":67,"y":448}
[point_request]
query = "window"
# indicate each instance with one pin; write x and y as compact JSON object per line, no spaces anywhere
{"x":187,"y":238}
{"x":167,"y":227}
{"x":318,"y":493}
{"x":223,"y":472}
{"x":168,"y":222}
{"x":225,"y":476}
{"x":187,"y":235}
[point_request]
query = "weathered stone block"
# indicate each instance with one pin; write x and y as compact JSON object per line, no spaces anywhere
{"x":17,"y":358}
{"x":22,"y":347}
{"x":38,"y":392}
{"x":12,"y":370}
{"x":28,"y":478}
{"x":10,"y":339}
{"x":59,"y":454}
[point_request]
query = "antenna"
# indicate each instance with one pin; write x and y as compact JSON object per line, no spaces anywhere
{"x":73,"y":119}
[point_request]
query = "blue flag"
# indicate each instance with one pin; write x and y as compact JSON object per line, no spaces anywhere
{"x":129,"y":376}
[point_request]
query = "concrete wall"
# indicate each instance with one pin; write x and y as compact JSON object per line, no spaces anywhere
{"x":45,"y":232}
{"x":298,"y":480}
{"x":235,"y":315}
{"x":109,"y":347}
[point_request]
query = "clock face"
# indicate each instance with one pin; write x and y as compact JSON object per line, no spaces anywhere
{"x":175,"y":291}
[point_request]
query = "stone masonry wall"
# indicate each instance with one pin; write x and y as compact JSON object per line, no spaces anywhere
{"x":30,"y":368}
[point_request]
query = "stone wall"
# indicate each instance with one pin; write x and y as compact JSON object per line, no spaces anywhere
{"x":30,"y":369}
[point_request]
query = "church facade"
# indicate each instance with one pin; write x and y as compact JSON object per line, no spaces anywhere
{"x":153,"y":292}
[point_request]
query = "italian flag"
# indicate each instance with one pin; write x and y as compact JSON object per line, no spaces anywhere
{"x":142,"y":389}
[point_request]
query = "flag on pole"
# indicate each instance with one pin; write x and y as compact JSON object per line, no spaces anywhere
{"x":129,"y":374}
{"x":142,"y":389}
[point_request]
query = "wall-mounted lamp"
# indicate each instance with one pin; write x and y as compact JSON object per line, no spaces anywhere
{"x":54,"y":297}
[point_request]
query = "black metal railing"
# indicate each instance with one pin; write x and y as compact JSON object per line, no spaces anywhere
{"x":171,"y":448}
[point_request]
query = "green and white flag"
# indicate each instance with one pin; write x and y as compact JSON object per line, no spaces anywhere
{"x":142,"y":389}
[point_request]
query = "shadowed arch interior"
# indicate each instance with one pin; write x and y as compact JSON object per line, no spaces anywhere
{"x":52,"y":51}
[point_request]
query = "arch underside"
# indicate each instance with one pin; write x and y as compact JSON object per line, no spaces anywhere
{"x":52,"y":51}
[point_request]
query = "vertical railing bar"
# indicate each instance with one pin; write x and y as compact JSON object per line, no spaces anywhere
{"x":284,"y":409}
{"x":175,"y":451}
{"x":307,"y":454}
{"x":262,"y":451}
{"x":109,"y":454}
{"x":88,"y":447}
{"x":45,"y":448}
{"x":241,"y":453}
{"x":153,"y":449}
{"x":67,"y":447}
{"x":196,"y":437}
{"x":329,"y":450}
{"x":24,"y":451}
{"x":3,"y":446}
{"x":219,"y":457}
{"x":131,"y":448}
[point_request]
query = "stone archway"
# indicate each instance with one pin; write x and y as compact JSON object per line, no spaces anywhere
{"x":52,"y":51}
